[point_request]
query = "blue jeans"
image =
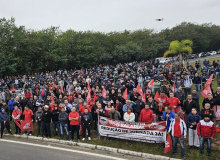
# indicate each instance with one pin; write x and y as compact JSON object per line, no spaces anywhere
{"x":56,"y":127}
{"x":175,"y":140}
{"x":198,"y":88}
{"x":47,"y":129}
{"x":62,"y":127}
{"x":209,"y":143}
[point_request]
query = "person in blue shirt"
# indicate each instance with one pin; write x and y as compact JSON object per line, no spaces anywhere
{"x":11,"y":106}
{"x":4,"y":122}
{"x":168,"y":116}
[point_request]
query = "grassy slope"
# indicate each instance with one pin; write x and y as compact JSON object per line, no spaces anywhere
{"x":152,"y":148}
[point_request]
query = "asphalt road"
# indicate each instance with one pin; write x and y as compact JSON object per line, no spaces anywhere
{"x":20,"y":149}
{"x":193,"y":60}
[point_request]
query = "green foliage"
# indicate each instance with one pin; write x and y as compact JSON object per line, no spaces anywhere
{"x":25,"y":51}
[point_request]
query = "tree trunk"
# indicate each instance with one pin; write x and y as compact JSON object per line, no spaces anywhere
{"x":181,"y":59}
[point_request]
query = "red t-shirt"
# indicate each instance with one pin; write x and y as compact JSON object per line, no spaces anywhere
{"x":28,"y":115}
{"x":16,"y":114}
{"x":173,"y":102}
{"x":82,"y":109}
{"x":177,"y":130}
{"x":74,"y":115}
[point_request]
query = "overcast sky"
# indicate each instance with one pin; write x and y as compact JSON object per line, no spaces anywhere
{"x":109,"y":15}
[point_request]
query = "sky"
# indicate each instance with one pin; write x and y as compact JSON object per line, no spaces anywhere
{"x":109,"y":15}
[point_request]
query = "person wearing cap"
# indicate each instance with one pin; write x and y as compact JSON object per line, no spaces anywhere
{"x":206,"y":132}
{"x":28,"y":116}
{"x":4,"y":122}
{"x":46,"y":119}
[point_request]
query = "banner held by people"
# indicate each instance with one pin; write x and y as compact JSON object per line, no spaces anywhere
{"x":136,"y":131}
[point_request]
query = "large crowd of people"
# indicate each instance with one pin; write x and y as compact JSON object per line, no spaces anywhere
{"x":61,"y":98}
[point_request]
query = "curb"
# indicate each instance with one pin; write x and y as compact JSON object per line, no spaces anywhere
{"x":99,"y":147}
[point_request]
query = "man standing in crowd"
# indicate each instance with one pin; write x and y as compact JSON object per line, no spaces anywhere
{"x":174,"y":103}
{"x":86,"y":119}
{"x":168,"y":116}
{"x":46,"y":119}
{"x":206,"y":132}
{"x":4,"y":122}
{"x":192,"y":120}
{"x":189,"y":104}
{"x":55,"y":120}
{"x":63,"y":119}
{"x":147,"y":115}
{"x":28,"y":116}
{"x":38,"y":119}
{"x":178,"y":131}
{"x":74,"y":123}
{"x":16,"y":114}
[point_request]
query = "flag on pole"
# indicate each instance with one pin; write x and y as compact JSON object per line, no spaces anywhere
{"x":205,"y":91}
{"x":151,"y":84}
{"x":209,"y":81}
{"x":139,"y":90}
{"x":88,"y":98}
{"x":25,"y":125}
{"x":104,"y":92}
{"x":157,"y":96}
{"x":173,"y":87}
{"x":88,"y":88}
{"x":125,"y":94}
{"x":168,"y":144}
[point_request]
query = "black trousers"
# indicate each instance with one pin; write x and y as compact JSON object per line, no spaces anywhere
{"x":84,"y":130}
{"x":17,"y":129}
{"x":74,"y":128}
{"x":40,"y":128}
{"x":3,"y":126}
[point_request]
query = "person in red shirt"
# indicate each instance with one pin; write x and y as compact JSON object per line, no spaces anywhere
{"x":147,"y":115}
{"x":74,"y":123}
{"x":163,"y":98}
{"x":16,"y":114}
{"x":28,"y":94}
{"x":174,"y":103}
{"x":28,"y":116}
{"x":82,"y":109}
{"x":178,"y":131}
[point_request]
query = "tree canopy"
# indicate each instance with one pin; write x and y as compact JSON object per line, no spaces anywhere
{"x":25,"y":51}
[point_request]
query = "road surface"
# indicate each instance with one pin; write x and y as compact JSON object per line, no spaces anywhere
{"x":21,"y":149}
{"x":193,"y":60}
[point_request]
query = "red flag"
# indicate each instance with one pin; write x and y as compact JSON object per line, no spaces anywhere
{"x":157,"y":96}
{"x":95,"y":97}
{"x":173,"y":87}
{"x":139,"y":90}
{"x":25,"y":125}
{"x":104,"y":92}
{"x":144,"y":97}
{"x":209,"y":81}
{"x":88,"y":88}
{"x":125,"y":94}
{"x":151,"y":84}
{"x":168,"y":144}
{"x":88,"y":98}
{"x":205,"y":91}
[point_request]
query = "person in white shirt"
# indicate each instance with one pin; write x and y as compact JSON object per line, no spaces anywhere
{"x":129,"y":116}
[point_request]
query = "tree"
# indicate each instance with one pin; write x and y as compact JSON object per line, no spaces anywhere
{"x":182,"y":48}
